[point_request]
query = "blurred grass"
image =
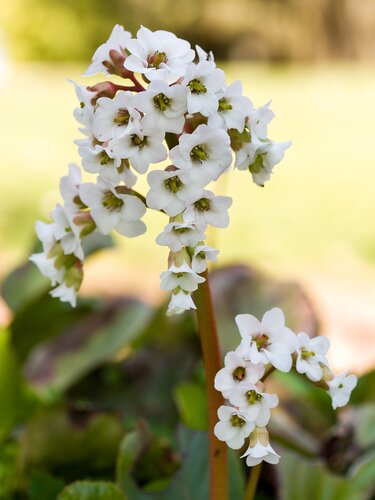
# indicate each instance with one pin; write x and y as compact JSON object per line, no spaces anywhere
{"x":320,"y":200}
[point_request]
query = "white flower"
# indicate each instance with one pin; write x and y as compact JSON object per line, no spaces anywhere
{"x":177,"y":235}
{"x":234,"y":427}
{"x":180,"y":302}
{"x":233,"y":108}
{"x":180,"y":276}
{"x":209,"y":209}
{"x":46,"y":234}
{"x":268,"y":341}
{"x":236,"y":370}
{"x":65,"y":294}
{"x":141,"y":146}
{"x":117,"y":41}
{"x":202,"y":254}
{"x":69,"y":189}
{"x":159,"y":55}
{"x":111,"y":209}
{"x":260,"y":449}
{"x":258,"y":120}
{"x":85,"y":113}
{"x":113,"y":117}
{"x":47,"y":267}
{"x":261,"y":161}
{"x":205,"y":153}
{"x":66,"y":232}
{"x":253,"y":402}
{"x":340,"y":389}
{"x":170,"y":191}
{"x":311,"y":355}
{"x":98,"y":159}
{"x":163,"y":105}
{"x":204,"y":56}
{"x":203,"y":82}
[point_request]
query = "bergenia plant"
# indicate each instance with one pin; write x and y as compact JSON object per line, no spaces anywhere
{"x":175,"y":109}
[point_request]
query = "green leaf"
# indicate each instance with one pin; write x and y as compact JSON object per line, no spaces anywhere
{"x":297,"y":475}
{"x":8,"y":470}
{"x":43,"y":485}
{"x":91,"y":490}
{"x":365,"y":390}
{"x":10,"y":385}
{"x":73,"y":444}
{"x":85,"y":346}
{"x":191,"y":480}
{"x":191,"y":401}
{"x":23,"y":285}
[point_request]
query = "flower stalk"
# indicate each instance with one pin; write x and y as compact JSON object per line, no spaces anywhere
{"x":218,"y":459}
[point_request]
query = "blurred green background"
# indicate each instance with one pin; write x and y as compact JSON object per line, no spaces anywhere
{"x":314,"y":222}
{"x":116,"y":369}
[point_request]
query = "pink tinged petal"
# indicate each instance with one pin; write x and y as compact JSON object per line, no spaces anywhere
{"x":247,"y":325}
{"x":273,"y":318}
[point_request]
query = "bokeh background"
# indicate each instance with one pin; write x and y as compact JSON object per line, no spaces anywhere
{"x":313,"y":223}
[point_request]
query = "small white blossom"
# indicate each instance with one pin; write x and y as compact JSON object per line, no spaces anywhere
{"x":111,"y":209}
{"x":180,"y":276}
{"x":203,"y":81}
{"x":84,"y":114}
{"x":268,"y":341}
{"x":159,"y":55}
{"x":180,"y":302}
{"x":114,"y":117}
{"x":141,"y":146}
{"x":253,"y":402}
{"x":170,"y":191}
{"x":98,"y":159}
{"x":205,"y":153}
{"x":177,"y":235}
{"x":46,"y":266}
{"x":117,"y":41}
{"x":66,"y":232}
{"x":236,"y":371}
{"x":311,"y":355}
{"x":69,"y":189}
{"x":232,"y":110}
{"x":202,"y":254}
{"x":340,"y":388}
{"x":257,"y":122}
{"x":209,"y":209}
{"x":260,"y":449}
{"x":261,"y":161}
{"x":164,"y":106}
{"x":65,"y":294}
{"x":234,"y":427}
{"x":205,"y":56}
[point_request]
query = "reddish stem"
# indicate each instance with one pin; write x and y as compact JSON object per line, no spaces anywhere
{"x":218,"y":458}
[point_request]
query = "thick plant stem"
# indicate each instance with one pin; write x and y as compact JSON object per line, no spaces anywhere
{"x":218,"y":457}
{"x":253,"y":482}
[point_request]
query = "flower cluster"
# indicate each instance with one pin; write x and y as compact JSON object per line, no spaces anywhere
{"x":177,"y":107}
{"x":265,"y":346}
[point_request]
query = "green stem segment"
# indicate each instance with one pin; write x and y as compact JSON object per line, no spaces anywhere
{"x":253,"y":482}
{"x":218,"y":457}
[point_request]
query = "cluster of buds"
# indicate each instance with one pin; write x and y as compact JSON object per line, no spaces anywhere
{"x":265,"y":346}
{"x":177,"y":106}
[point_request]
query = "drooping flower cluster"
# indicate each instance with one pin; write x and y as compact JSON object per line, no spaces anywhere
{"x":185,"y":113}
{"x":265,"y":346}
